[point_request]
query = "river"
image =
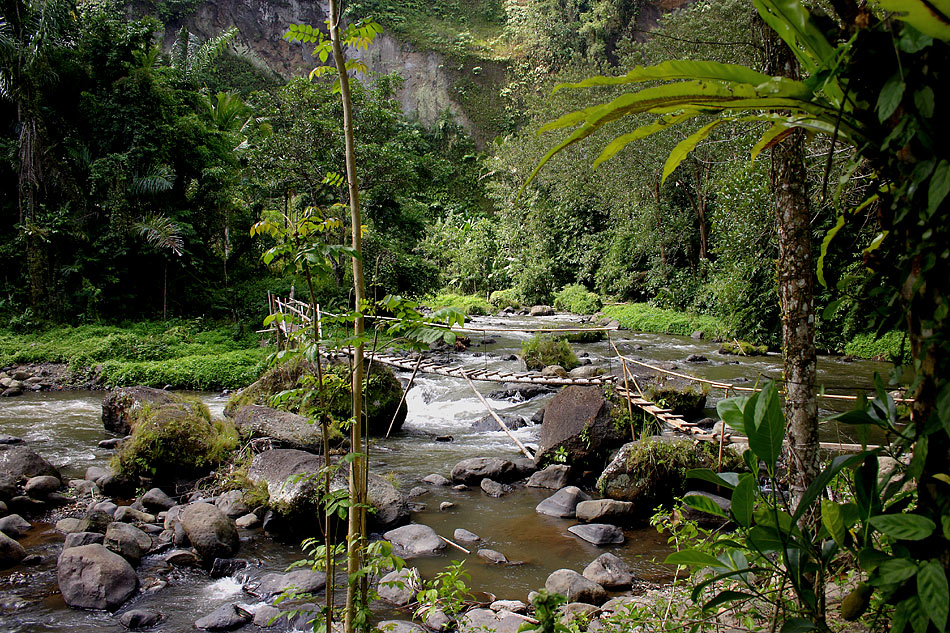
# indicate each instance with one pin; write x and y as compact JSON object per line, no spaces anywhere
{"x":65,"y":427}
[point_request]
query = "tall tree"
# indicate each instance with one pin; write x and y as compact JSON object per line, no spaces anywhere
{"x":31,"y":33}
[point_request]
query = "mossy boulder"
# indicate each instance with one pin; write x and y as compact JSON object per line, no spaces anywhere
{"x":174,"y":443}
{"x":120,"y":406}
{"x":743,"y":348}
{"x":652,"y":471}
{"x":383,"y":397}
{"x":681,"y":399}
{"x":544,"y":350}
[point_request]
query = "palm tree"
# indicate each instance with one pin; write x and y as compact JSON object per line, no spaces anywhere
{"x":31,"y":31}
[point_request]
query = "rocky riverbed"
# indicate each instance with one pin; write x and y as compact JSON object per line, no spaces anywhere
{"x":86,"y":549}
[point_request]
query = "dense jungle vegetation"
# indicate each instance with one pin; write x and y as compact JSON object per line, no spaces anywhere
{"x":131,"y":175}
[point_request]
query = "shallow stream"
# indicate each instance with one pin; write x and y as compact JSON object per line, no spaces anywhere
{"x":65,"y":427}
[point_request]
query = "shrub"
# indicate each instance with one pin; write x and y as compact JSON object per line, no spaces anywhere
{"x":577,"y":299}
{"x":231,"y":370}
{"x":887,"y":346}
{"x":543,"y":350}
{"x":646,"y":318}
{"x":175,"y":442}
{"x":507,"y":298}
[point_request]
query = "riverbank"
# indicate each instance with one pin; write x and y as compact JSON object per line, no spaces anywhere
{"x":180,"y":354}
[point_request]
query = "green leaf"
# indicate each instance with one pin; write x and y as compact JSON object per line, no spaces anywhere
{"x":771,"y":136}
{"x":833,"y":520}
{"x":675,"y":70}
{"x":933,"y":593}
{"x":692,"y":558}
{"x":818,"y":486}
{"x":641,"y":132}
{"x":726,"y":596}
{"x":830,"y":235}
{"x":939,"y":186}
{"x":890,"y":97}
{"x":924,"y":101}
{"x":943,"y":407}
{"x":766,"y":539}
{"x":905,"y":527}
{"x":684,"y":147}
{"x":731,"y":412}
{"x":743,"y":500}
{"x":704,"y":504}
{"x":895,"y":571}
{"x":719,"y":479}
{"x":798,"y":625}
{"x":765,"y":424}
{"x":791,"y":20}
{"x":928,"y":17}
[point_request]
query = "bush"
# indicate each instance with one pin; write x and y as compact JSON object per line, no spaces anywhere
{"x":175,"y":443}
{"x":646,"y":318}
{"x":507,"y":298}
{"x":886,"y":347}
{"x":543,"y":350}
{"x":577,"y":299}
{"x":470,"y":305}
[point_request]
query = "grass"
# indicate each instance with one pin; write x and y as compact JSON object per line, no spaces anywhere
{"x":470,"y":305}
{"x":183,"y":354}
{"x":887,"y":347}
{"x":646,"y":318}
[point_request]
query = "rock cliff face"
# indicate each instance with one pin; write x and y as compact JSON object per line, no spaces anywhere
{"x":425,"y":94}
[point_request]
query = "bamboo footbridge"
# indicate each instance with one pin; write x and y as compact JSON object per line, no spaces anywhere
{"x":299,"y":315}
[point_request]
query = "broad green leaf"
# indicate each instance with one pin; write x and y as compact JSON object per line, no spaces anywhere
{"x":833,"y":520}
{"x":731,"y":412}
{"x":765,"y":426}
{"x":890,"y":97}
{"x":771,"y":136}
{"x":693,"y":558}
{"x":939,"y":186}
{"x":931,"y":17}
{"x":906,"y":527}
{"x":943,"y":407}
{"x":791,"y":20}
{"x":818,"y":486}
{"x":674,"y":70}
{"x":895,"y":571}
{"x":933,"y":593}
{"x":684,"y":147}
{"x":719,"y":479}
{"x":798,"y":625}
{"x":766,"y":539}
{"x":726,"y":596}
{"x":704,"y":504}
{"x":743,"y":500}
{"x":641,"y":132}
{"x":830,"y":235}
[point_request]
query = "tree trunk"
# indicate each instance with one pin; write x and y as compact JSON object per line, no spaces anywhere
{"x":357,"y":511}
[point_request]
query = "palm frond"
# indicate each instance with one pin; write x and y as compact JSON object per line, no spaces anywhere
{"x":161,"y":232}
{"x":156,"y":180}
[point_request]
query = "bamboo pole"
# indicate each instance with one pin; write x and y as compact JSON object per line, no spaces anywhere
{"x":500,"y":422}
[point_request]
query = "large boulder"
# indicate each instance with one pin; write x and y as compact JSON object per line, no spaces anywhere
{"x":92,"y":577}
{"x":225,"y":618}
{"x":474,"y":469}
{"x":598,"y":533}
{"x":609,"y":571}
{"x":652,"y":471}
{"x":120,"y":406}
{"x":605,"y":511}
{"x":563,"y":503}
{"x":293,"y":482}
{"x":575,"y":587}
{"x":285,"y":429}
{"x":415,"y":539}
{"x":14,"y":526}
{"x":20,"y":462}
{"x":298,"y":581}
{"x":399,"y":587}
{"x":578,"y":426}
{"x":210,"y":531}
{"x":127,"y":541}
{"x":383,"y":396}
{"x":553,"y":477}
{"x":11,"y":552}
{"x":488,"y":422}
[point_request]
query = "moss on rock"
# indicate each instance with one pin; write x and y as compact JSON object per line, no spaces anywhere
{"x":175,"y":443}
{"x":743,"y":348}
{"x":382,"y":398}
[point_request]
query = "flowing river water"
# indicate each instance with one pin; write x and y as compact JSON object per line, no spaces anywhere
{"x":65,"y":427}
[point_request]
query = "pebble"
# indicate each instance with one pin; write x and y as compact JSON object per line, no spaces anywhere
{"x":446,"y":505}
